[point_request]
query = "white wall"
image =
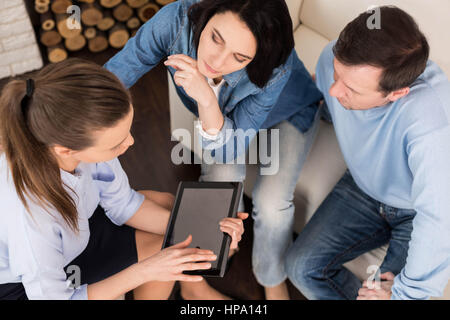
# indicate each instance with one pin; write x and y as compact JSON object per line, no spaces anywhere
{"x":19,"y":52}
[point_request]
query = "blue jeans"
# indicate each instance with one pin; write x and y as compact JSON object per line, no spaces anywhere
{"x":273,"y":208}
{"x":347,"y":224}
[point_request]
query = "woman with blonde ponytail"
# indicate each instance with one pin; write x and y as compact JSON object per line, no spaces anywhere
{"x":71,"y":227}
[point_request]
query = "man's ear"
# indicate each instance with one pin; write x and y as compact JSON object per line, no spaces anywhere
{"x":63,"y":152}
{"x":397,"y":94}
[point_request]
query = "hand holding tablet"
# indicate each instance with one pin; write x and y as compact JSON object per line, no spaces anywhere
{"x":234,"y":227}
{"x":208,"y":212}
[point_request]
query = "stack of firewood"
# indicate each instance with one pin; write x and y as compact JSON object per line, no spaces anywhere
{"x":67,"y":25}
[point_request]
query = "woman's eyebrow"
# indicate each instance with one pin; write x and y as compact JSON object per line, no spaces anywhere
{"x":223,"y":40}
{"x":244,"y":56}
{"x":218,"y":34}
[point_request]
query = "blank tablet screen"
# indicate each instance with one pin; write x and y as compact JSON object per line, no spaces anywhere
{"x":199,"y":214}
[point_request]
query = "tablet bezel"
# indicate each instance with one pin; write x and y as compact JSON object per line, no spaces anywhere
{"x":226,"y":241}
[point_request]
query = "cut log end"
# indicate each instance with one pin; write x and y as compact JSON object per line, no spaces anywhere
{"x":146,"y":12}
{"x":133,"y":23}
{"x":118,"y":36}
{"x":42,"y":2}
{"x":164,"y":2}
{"x":91,"y":14}
{"x":60,"y":6}
{"x":110,"y":3}
{"x":122,"y":12}
{"x":48,"y":25}
{"x":41,"y":8}
{"x":90,"y":33}
{"x":57,"y":53}
{"x":67,"y":27}
{"x":137,"y":3}
{"x":98,"y":44}
{"x":75,"y":43}
{"x":50,"y":38}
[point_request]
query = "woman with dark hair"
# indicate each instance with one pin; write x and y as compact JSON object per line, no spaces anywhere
{"x":68,"y":212}
{"x":234,"y":66}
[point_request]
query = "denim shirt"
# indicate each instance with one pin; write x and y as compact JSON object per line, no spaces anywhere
{"x":289,"y":94}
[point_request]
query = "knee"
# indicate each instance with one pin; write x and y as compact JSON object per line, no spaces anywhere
{"x":301,"y":267}
{"x":267,"y":203}
{"x":294,"y":264}
{"x":168,"y":200}
{"x":164,"y":199}
{"x":147,"y":244}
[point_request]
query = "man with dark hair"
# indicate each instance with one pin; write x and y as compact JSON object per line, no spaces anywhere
{"x":390,"y":107}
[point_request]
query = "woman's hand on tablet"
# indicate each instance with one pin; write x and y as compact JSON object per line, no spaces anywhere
{"x":169,"y":263}
{"x":234,"y":227}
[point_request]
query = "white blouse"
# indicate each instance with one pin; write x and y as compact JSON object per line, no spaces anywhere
{"x":35,"y":248}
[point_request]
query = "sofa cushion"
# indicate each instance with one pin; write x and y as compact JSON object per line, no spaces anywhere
{"x":323,"y":168}
{"x":309,"y":44}
{"x":294,"y":9}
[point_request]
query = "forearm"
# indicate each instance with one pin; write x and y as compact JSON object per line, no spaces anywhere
{"x":150,"y":217}
{"x":211,"y":116}
{"x":114,"y":286}
{"x":427,"y":270}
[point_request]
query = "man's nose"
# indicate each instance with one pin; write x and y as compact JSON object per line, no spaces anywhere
{"x":337,"y":90}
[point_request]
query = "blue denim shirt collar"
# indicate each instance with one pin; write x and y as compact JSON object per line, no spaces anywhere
{"x":233,"y":78}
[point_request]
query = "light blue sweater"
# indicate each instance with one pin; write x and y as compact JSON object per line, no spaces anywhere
{"x":399,"y":154}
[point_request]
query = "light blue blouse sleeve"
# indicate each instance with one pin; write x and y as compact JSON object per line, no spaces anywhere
{"x":117,"y":198}
{"x":36,"y":256}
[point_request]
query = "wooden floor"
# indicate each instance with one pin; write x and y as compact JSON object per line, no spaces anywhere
{"x":149,"y":166}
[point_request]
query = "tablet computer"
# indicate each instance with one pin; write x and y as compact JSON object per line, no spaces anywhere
{"x":197,"y":211}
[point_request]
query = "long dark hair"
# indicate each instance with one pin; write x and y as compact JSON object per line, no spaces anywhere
{"x":71,"y":99}
{"x":268,"y":20}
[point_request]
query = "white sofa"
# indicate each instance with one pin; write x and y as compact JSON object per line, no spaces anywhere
{"x":316,"y":22}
